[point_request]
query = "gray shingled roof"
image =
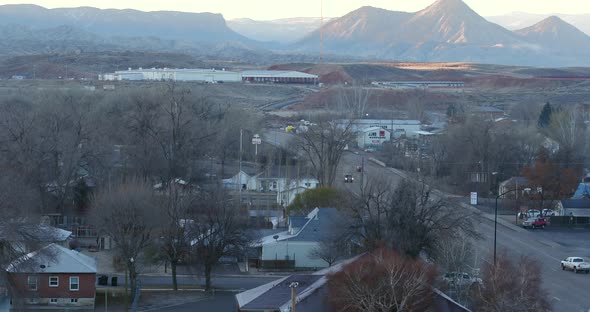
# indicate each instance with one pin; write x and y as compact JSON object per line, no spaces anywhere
{"x":315,"y":229}
{"x":278,"y":295}
{"x":579,"y":203}
{"x":298,"y":221}
{"x":53,"y":259}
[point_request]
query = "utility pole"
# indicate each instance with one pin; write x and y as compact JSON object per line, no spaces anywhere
{"x":362,"y":172}
{"x":293,"y":286}
{"x":321,"y":31}
{"x":240,"y":172}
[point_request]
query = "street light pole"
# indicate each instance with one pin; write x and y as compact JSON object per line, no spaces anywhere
{"x":496,"y":219}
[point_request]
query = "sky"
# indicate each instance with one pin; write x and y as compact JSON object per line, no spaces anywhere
{"x":274,"y":9}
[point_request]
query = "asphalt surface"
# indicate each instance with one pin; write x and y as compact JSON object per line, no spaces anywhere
{"x":234,"y":282}
{"x":567,"y":291}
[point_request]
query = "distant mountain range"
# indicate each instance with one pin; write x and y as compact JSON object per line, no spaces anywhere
{"x":519,"y":20}
{"x":446,"y":31}
{"x":282,"y":31}
{"x":450,"y":31}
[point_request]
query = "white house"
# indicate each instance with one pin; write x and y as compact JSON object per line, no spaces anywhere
{"x":303,"y":235}
{"x":287,"y":182}
{"x":373,"y":137}
{"x":242,"y":181}
{"x":579,"y":207}
{"x":409,"y":127}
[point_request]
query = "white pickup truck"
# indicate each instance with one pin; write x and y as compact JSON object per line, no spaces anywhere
{"x":576,"y":264}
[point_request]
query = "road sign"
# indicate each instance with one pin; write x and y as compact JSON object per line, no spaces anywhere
{"x":473,"y":198}
{"x":256,"y":139}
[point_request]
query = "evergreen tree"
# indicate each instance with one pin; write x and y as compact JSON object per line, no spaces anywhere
{"x":545,"y":117}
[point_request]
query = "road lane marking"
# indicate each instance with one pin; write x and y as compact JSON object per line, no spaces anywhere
{"x":556,"y":298}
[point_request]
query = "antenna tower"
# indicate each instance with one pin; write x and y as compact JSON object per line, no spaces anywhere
{"x":321,"y":31}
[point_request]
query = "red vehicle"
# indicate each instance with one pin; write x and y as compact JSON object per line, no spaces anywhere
{"x":535,"y":223}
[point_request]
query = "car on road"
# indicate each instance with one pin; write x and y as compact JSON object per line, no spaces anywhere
{"x":348,"y":178}
{"x":534,"y":223}
{"x":575,"y":264}
{"x":460,"y":279}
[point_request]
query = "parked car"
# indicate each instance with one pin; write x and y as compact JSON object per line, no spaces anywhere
{"x":549,"y":213}
{"x":575,"y":264}
{"x":460,"y":279}
{"x":348,"y":178}
{"x":533,"y":213}
{"x":534,"y":223}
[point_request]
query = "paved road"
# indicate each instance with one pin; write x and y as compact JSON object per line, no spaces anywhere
{"x":219,"y":282}
{"x":220,"y":301}
{"x":567,"y":291}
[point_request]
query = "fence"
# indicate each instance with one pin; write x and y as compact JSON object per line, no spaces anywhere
{"x":277,"y":264}
{"x":566,"y":221}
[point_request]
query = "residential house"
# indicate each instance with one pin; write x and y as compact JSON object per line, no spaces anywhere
{"x":304,"y":234}
{"x":514,"y":183}
{"x":26,"y":237}
{"x":311,"y":294}
{"x":391,"y":125}
{"x":583,"y":189}
{"x":242,"y":180}
{"x":579,"y":207}
{"x":53,"y":277}
{"x":286,"y":182}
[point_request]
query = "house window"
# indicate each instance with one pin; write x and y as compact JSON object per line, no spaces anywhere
{"x":32,"y":282}
{"x":74,"y":300}
{"x":308,"y":184}
{"x":74,"y":283}
{"x":53,"y":281}
{"x":53,"y":300}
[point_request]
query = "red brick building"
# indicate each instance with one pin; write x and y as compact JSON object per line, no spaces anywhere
{"x":53,"y":277}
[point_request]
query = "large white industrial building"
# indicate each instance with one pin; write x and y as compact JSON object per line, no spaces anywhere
{"x":164,"y":74}
{"x":212,"y":75}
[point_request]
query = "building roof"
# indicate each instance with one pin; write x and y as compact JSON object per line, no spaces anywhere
{"x":578,"y":203}
{"x":293,"y":172}
{"x":387,"y":121}
{"x":19,"y":231}
{"x":487,"y":109}
{"x":582,"y":191}
{"x":374,"y":129}
{"x":279,"y":294}
{"x":311,"y":293}
{"x":319,"y":225}
{"x":170,"y":70}
{"x":277,"y":74}
{"x":53,"y":259}
{"x":515,"y":180}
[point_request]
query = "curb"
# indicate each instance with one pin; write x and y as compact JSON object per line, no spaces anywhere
{"x":491,"y":218}
{"x":198,"y":275}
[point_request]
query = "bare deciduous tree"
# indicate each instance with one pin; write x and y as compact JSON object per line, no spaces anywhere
{"x":323,"y":145}
{"x":382,"y":281}
{"x":177,"y":202}
{"x":128,"y":213}
{"x":354,"y":100}
{"x":407,"y":218}
{"x":511,"y":286}
{"x":217,"y":229}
